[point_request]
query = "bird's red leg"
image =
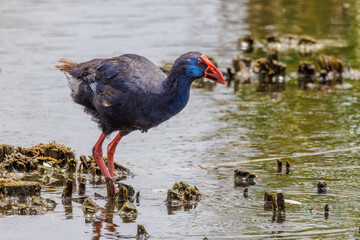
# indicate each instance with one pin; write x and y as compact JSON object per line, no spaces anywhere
{"x":97,"y":153}
{"x":110,"y":154}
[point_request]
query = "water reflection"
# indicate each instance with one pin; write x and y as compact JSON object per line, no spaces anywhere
{"x":104,"y":225}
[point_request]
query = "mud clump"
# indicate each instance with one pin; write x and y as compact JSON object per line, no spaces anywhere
{"x":128,"y":212}
{"x":240,"y":72}
{"x":331,"y":71}
{"x":89,"y":206}
{"x":306,"y":39}
{"x":37,"y":158}
{"x":126,"y":193}
{"x":271,"y":74}
{"x":243,"y":178}
{"x":18,"y":188}
{"x":246,"y":43}
{"x":19,"y":197}
{"x":272,"y":39}
{"x":306,"y":74}
{"x":182,"y":195}
{"x":34,"y":205}
{"x":141,"y":233}
{"x":321,"y":187}
{"x":5,"y":150}
{"x":306,"y":45}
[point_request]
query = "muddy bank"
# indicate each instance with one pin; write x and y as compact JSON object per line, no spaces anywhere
{"x":25,"y":170}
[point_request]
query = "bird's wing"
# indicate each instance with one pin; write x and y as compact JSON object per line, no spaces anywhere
{"x":122,"y":79}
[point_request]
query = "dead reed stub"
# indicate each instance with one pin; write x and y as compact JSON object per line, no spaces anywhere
{"x":287,"y":167}
{"x":67,"y":192}
{"x":246,"y":192}
{"x":82,"y":187}
{"x":270,"y":201}
{"x":279,"y":166}
{"x":306,"y":74}
{"x":110,"y":187}
{"x":326,"y":211}
{"x":280,"y":202}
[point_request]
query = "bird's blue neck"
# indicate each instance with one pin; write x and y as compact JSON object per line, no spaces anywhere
{"x":178,"y":88}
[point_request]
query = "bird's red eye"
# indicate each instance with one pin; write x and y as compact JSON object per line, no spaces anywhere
{"x":199,"y":63}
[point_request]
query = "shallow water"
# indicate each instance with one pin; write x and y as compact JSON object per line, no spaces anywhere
{"x":215,"y":127}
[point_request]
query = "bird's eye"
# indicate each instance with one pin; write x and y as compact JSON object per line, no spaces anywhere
{"x":199,"y":63}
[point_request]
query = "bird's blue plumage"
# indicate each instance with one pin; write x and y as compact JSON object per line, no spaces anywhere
{"x":129,"y":92}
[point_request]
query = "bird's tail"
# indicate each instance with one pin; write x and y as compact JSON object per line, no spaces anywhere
{"x":67,"y":65}
{"x":66,"y":68}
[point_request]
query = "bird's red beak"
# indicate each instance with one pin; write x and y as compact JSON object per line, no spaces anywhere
{"x":212,"y":72}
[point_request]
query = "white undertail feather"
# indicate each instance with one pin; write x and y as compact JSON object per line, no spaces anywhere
{"x":73,"y":83}
{"x":66,"y":67}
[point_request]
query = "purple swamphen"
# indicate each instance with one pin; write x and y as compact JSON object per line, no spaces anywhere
{"x":129,"y":92}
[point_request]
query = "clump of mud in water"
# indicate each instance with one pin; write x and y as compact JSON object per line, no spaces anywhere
{"x":128,"y":212}
{"x":142,"y":234}
{"x":51,"y":164}
{"x":244,"y":178}
{"x":22,"y":198}
{"x":126,"y":193}
{"x":37,"y":158}
{"x":182,"y":195}
{"x":321,"y":187}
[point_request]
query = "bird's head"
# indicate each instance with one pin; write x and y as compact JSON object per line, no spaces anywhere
{"x":196,"y":65}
